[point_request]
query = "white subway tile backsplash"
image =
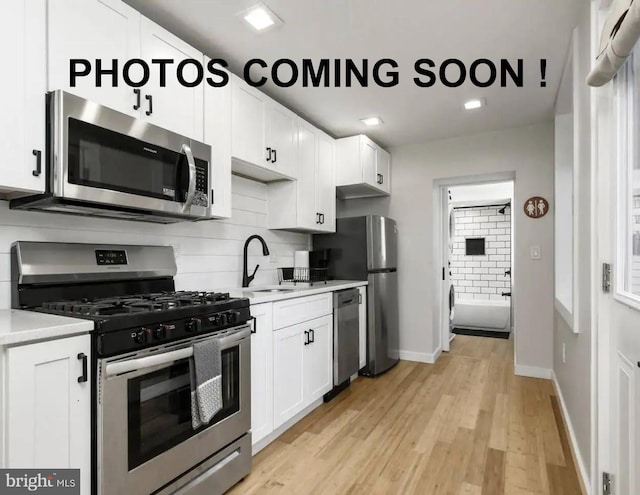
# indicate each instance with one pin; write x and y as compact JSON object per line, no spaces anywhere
{"x":208,"y":254}
{"x":481,"y":276}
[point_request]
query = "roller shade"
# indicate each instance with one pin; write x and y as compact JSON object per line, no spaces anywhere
{"x":620,"y":33}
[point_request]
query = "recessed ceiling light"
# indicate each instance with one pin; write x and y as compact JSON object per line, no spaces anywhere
{"x":260,"y":17}
{"x":371,"y":121}
{"x":473,"y":104}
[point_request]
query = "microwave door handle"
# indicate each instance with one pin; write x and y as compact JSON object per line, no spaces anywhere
{"x":191,"y":191}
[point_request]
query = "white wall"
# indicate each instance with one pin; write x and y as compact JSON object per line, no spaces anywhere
{"x":574,"y":376}
{"x":208,"y":254}
{"x":526,"y":152}
{"x":481,"y":192}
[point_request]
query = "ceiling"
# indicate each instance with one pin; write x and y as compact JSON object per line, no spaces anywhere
{"x":404,"y":30}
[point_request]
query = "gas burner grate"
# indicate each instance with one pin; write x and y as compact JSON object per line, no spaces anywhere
{"x":138,"y":303}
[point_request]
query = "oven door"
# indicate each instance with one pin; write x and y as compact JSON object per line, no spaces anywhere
{"x":107,"y":157}
{"x":145,"y":436}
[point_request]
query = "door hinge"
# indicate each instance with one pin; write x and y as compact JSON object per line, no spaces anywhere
{"x":606,"y":277}
{"x":606,"y":483}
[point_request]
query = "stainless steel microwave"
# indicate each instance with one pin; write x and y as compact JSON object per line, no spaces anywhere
{"x":101,"y":162}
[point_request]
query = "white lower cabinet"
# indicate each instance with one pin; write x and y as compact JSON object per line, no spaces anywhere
{"x":261,"y":372}
{"x":302,"y":366}
{"x":288,"y":373}
{"x":318,"y":359}
{"x":362,"y":322}
{"x":48,"y":406}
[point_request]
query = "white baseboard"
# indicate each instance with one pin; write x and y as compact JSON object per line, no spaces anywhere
{"x":586,"y":483}
{"x":420,"y":357}
{"x":532,"y":371}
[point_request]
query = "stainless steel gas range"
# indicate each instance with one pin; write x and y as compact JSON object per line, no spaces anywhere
{"x":144,"y":442}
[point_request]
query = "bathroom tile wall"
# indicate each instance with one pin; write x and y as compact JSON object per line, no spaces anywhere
{"x":481,"y":277}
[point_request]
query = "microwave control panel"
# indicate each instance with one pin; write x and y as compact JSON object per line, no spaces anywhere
{"x":202,"y":186}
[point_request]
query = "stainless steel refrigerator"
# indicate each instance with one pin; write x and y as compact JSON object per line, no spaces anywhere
{"x":366,"y":248}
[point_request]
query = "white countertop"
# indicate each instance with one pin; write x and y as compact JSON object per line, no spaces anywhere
{"x":292,"y":291}
{"x":19,"y":327}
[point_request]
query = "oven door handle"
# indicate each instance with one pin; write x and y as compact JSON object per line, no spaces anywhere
{"x":137,"y":364}
{"x":191,"y":191}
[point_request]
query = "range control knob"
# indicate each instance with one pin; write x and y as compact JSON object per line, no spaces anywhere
{"x":219,"y":320}
{"x":160,"y":332}
{"x":193,"y":325}
{"x":232,"y":317}
{"x":140,"y":337}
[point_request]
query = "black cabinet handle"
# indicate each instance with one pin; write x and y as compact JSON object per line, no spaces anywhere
{"x":137,"y":93}
{"x":38,"y":170}
{"x":149,"y":98}
{"x":312,"y":336}
{"x":85,"y":376}
{"x":306,"y":337}
{"x":275,"y":156}
{"x":322,"y":218}
{"x":381,"y":179}
{"x":269,"y":154}
{"x":254,"y":329}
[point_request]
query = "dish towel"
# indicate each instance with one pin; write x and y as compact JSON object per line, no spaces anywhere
{"x":206,"y":381}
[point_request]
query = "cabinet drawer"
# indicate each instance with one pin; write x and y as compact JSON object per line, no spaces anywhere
{"x":292,"y":311}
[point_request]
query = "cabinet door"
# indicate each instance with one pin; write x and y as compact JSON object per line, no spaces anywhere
{"x":91,"y":30}
{"x":362,"y":322}
{"x":307,"y":152}
{"x":248,"y":126}
{"x":368,"y":152}
{"x":383,"y":165}
{"x":174,"y":107}
{"x":22,"y":121}
{"x":217,"y":134}
{"x":318,"y":359}
{"x":261,"y":372}
{"x":281,"y":137}
{"x":325,"y":181}
{"x":48,"y":410}
{"x":288,"y":369}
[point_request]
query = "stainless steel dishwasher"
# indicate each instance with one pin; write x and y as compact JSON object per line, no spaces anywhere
{"x":345,"y":339}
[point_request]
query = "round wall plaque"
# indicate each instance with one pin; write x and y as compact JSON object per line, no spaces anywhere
{"x":536,"y":207}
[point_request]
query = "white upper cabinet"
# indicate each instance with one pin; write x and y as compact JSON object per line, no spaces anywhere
{"x":111,"y":32}
{"x":248,"y":125}
{"x":309,"y":203}
{"x":263,"y":135}
{"x":92,"y":30}
{"x":22,"y":120}
{"x":175,"y":107}
{"x":217,"y":134}
{"x":281,"y":138}
{"x":325,"y":183}
{"x":363,"y":168}
{"x":383,"y":166}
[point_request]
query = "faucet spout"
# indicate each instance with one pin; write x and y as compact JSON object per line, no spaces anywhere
{"x":246,"y":278}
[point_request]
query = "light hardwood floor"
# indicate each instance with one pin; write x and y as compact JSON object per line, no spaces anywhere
{"x":463,"y":426}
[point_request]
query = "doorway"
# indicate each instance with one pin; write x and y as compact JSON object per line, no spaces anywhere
{"x":473,"y":245}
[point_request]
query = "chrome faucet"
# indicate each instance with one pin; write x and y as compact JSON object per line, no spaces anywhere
{"x":246,"y":278}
